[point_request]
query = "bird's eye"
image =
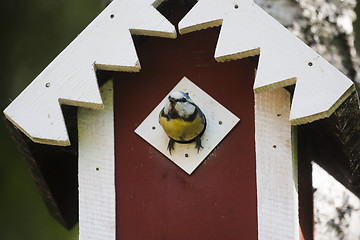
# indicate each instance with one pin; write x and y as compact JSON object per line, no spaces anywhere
{"x":182,"y":100}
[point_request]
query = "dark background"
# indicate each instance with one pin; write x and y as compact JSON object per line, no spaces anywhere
{"x":33,"y":34}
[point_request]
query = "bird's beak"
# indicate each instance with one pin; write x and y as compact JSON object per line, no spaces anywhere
{"x":172,"y":100}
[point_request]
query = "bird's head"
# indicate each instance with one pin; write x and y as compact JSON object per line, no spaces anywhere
{"x":180,"y":103}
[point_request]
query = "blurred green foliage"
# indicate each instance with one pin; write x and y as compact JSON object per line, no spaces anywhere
{"x":33,"y":33}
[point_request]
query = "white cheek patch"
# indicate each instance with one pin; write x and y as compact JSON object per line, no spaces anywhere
{"x":167,"y":107}
{"x":185,"y":109}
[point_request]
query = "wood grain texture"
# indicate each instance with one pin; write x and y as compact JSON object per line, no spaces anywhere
{"x":155,"y":198}
{"x":334,"y":144}
{"x":47,"y":166}
{"x":276,"y":192}
{"x":96,"y":170}
{"x":105,"y":44}
{"x":247,"y":30}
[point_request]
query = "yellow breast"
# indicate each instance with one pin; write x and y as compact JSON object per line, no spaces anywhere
{"x":181,"y":130}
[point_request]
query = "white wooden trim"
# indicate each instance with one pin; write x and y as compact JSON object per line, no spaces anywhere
{"x":97,"y":170}
{"x":106,"y":44}
{"x":247,"y":30}
{"x":70,"y":79}
{"x":276,"y":191}
{"x":212,"y":136}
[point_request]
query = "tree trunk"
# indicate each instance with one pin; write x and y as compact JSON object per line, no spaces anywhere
{"x":327,"y":27}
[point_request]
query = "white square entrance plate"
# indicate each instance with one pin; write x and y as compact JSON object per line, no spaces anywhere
{"x":219,"y":123}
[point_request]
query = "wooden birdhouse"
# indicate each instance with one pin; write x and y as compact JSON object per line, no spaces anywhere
{"x":88,"y":125}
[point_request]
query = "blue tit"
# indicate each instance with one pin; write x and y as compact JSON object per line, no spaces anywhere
{"x":182,"y":120}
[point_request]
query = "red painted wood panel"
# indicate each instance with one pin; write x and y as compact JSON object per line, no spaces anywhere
{"x":155,"y":198}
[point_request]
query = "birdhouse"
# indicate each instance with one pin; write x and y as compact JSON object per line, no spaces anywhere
{"x":89,"y":128}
